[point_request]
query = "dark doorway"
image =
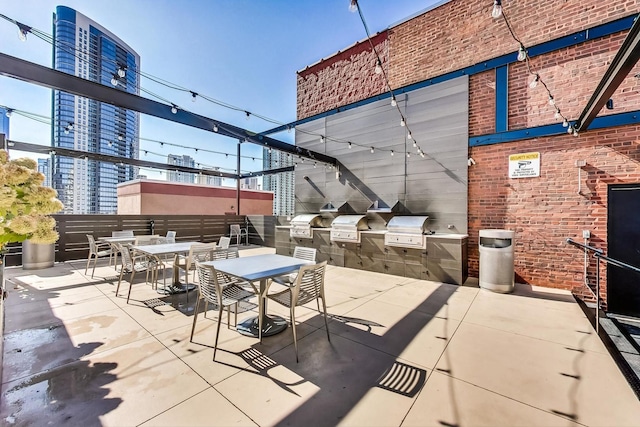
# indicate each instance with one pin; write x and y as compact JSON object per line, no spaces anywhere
{"x":623,"y":229}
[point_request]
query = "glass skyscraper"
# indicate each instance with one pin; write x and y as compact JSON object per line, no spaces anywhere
{"x":180,"y":160}
{"x":282,"y":184}
{"x":4,"y":122}
{"x":85,"y":49}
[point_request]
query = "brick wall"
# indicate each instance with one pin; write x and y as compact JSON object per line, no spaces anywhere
{"x":344,"y":78}
{"x":545,"y":211}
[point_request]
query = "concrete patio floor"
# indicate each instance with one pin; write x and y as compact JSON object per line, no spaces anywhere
{"x":403,"y":352}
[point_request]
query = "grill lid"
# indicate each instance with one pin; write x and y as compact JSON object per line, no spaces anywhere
{"x":307,"y":220}
{"x":358,"y":222}
{"x":408,"y":224}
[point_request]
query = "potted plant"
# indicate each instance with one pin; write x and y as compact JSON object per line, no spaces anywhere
{"x":25,"y":204}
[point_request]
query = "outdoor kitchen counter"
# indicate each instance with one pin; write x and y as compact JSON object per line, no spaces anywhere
{"x":443,"y":260}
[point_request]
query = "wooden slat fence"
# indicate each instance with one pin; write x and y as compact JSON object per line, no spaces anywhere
{"x":73,"y":229}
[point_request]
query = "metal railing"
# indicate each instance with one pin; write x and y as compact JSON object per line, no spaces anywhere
{"x":599,"y":255}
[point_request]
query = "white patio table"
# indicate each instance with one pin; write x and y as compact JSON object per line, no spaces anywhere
{"x":168,"y":249}
{"x":262,"y":268}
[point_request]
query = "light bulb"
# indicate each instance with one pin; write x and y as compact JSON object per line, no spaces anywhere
{"x":522,"y":54}
{"x":392,"y":152}
{"x":570,"y":130}
{"x":322,"y":139}
{"x":393,"y":101}
{"x":402,"y":123}
{"x":556,"y":115}
{"x":114,"y":81}
{"x":415,"y":144}
{"x":193,"y":96}
{"x":353,"y":6}
{"x":378,"y":69}
{"x":565,"y":123}
{"x":497,"y":9}
{"x":372,"y":150}
{"x":349,"y":146}
{"x":110,"y":143}
{"x":422,"y":154}
{"x":410,"y":137}
{"x":534,"y":82}
{"x":66,"y":131}
{"x":575,"y":132}
{"x":22,"y":34}
{"x":174,"y":110}
{"x":215,"y":127}
{"x":551,"y":100}
{"x":288,"y":129}
{"x":314,"y":165}
{"x":8,"y":112}
{"x":121,"y":72}
{"x":120,"y":137}
{"x":408,"y":154}
{"x":247,"y":115}
{"x":70,"y":126}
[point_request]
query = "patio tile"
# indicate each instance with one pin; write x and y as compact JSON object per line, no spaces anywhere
{"x":34,"y":350}
{"x":331,"y":378}
{"x":124,"y":386}
{"x":412,"y":335}
{"x":435,"y":298}
{"x":360,"y":283}
{"x":208,"y":408}
{"x":545,"y":319}
{"x":447,"y":401}
{"x":548,"y":376}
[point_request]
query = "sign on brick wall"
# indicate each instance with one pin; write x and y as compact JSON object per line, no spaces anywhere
{"x":524,"y":165}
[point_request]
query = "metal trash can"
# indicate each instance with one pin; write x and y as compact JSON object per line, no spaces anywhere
{"x":496,"y":260}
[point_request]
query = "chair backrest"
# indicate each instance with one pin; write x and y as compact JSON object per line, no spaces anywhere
{"x":309,"y":284}
{"x":224,"y":242}
{"x":308,"y":254}
{"x":146,"y":240}
{"x":171,"y":236}
{"x":200,"y":252}
{"x":222,"y":253}
{"x":210,"y":283}
{"x":124,"y":233}
{"x":234,"y":230}
{"x":125,"y":253}
{"x":93,"y":248}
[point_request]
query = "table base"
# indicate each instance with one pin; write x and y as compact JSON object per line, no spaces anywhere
{"x":270,"y":326}
{"x":176,"y":289}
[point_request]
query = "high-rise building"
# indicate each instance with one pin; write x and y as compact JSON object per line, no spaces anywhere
{"x":45,"y":169}
{"x":85,"y":49}
{"x":4,"y":122}
{"x":250,"y":183}
{"x":282,"y":184}
{"x":208,"y":179}
{"x":177,"y":176}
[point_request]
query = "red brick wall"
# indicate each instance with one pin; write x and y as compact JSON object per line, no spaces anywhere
{"x":344,"y":78}
{"x":482,"y":103}
{"x":546,"y":210}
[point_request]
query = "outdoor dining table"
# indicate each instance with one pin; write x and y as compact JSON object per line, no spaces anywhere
{"x":262,"y":268}
{"x":168,"y":249}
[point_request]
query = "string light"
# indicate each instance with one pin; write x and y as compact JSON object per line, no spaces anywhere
{"x":353,"y":6}
{"x":114,"y":80}
{"x":394,"y":103}
{"x":349,"y":145}
{"x":8,"y":112}
{"x":408,"y":154}
{"x":409,"y":137}
{"x":193,"y":96}
{"x":378,"y":69}
{"x":215,"y":127}
{"x":372,"y":150}
{"x":322,"y":139}
{"x":247,"y":114}
{"x":23,"y":30}
{"x":121,"y":71}
{"x":392,"y":152}
{"x":497,"y":9}
{"x":523,"y":56}
{"x":402,"y":122}
{"x":174,"y":108}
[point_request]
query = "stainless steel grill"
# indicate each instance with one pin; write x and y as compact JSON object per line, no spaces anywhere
{"x":407,"y":232}
{"x":346,"y":228}
{"x":302,"y":225}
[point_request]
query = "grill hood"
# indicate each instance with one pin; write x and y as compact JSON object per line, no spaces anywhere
{"x":408,"y":224}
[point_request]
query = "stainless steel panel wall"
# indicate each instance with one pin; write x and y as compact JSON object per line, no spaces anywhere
{"x":435,"y":185}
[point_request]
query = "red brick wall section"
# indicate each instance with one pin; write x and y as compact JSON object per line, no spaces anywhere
{"x":462,"y":32}
{"x":482,"y":103}
{"x":545,"y":211}
{"x":345,"y":78}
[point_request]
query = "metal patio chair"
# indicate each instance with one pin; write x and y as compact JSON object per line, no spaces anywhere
{"x":299,"y":252}
{"x":308,"y":286}
{"x":224,"y":242}
{"x":95,"y":252}
{"x":238,"y":232}
{"x":197,"y":252}
{"x":136,"y":264}
{"x":218,"y":289}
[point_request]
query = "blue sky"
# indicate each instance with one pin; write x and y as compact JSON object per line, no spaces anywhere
{"x":242,"y":52}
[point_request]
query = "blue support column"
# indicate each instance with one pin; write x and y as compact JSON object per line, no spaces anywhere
{"x":502,"y":98}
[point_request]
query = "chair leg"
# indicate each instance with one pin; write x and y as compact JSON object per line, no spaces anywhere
{"x":88,"y":261}
{"x":119,"y":281}
{"x":293,"y":328}
{"x":130,"y":285}
{"x":215,"y":346}
{"x":326,"y":325}
{"x":95,"y":261}
{"x":195,"y":318}
{"x":229,"y":316}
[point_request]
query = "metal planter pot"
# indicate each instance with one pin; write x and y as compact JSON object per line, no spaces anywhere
{"x":36,"y":256}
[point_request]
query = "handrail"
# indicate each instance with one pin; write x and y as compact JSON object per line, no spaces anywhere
{"x":599,"y":255}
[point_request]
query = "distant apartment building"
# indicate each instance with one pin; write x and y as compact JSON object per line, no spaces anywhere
{"x":208,"y":179}
{"x":4,"y":121}
{"x":282,"y":184}
{"x":44,"y":167}
{"x":250,"y":183}
{"x":177,"y":176}
{"x":85,"y":49}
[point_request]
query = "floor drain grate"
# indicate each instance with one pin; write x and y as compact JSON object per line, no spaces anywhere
{"x":154,"y":302}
